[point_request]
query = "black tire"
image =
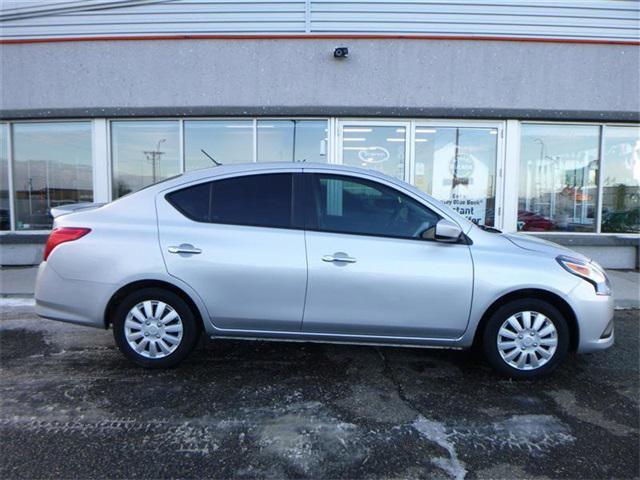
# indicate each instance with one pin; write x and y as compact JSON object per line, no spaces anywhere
{"x":190,"y":327}
{"x":490,"y":338}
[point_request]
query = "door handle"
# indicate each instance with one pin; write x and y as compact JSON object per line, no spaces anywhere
{"x":184,"y":248}
{"x":338,"y":258}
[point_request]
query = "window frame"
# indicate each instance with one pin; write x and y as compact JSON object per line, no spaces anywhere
{"x":11,"y":168}
{"x":309,"y":189}
{"x":515,"y":172}
{"x":294,"y":225}
{"x":598,"y":203}
{"x":110,"y":148}
{"x":601,"y":177}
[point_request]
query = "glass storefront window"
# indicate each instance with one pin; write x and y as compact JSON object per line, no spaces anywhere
{"x":292,"y":140}
{"x":5,"y":219}
{"x":381,"y":148}
{"x":558,"y":178}
{"x":143,"y":153}
{"x":52,"y":167}
{"x":227,"y":141}
{"x":458,"y":167}
{"x":621,"y":180}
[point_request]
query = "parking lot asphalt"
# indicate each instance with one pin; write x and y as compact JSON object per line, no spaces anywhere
{"x":72,"y":407}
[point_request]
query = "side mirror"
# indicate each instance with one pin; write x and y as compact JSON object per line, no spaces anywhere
{"x":447,"y":231}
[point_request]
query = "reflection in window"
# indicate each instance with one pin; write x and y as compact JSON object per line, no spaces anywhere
{"x":292,"y":140}
{"x":52,"y":167}
{"x":621,"y":185}
{"x":379,"y":148}
{"x":558,"y":178}
{"x":227,"y":141}
{"x":458,"y":167}
{"x":5,"y":221}
{"x":348,"y":205}
{"x":143,"y":153}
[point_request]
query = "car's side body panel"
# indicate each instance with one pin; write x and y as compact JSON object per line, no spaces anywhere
{"x":250,"y":278}
{"x":396,"y":287}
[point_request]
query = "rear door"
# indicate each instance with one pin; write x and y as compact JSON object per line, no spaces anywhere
{"x":233,"y":241}
{"x":374,"y":268}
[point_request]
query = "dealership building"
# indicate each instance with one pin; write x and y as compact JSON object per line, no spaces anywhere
{"x":521,"y":115}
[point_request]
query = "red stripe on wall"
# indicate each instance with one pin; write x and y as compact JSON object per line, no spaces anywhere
{"x":316,"y":37}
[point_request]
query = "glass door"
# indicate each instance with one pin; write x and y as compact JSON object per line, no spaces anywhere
{"x":381,"y":146}
{"x":457,"y":164}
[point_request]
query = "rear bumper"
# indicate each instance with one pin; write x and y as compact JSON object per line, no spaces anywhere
{"x":595,"y":318}
{"x":73,"y":301}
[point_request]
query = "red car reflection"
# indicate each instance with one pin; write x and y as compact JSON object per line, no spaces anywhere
{"x":533,"y":222}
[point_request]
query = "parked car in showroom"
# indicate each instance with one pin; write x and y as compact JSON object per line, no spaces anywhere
{"x":316,"y":253}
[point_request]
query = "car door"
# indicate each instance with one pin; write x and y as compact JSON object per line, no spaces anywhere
{"x":374,"y":267}
{"x":232,"y":240}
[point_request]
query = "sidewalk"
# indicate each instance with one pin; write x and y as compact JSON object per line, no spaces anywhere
{"x":19,"y":282}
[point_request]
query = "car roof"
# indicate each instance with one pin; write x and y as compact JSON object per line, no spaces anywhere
{"x":274,"y":166}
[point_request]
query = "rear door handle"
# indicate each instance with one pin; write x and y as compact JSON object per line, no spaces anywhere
{"x":338,"y":258}
{"x":185,"y":248}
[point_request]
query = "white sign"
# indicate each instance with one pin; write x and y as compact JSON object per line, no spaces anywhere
{"x":460,"y":181}
{"x":374,"y":155}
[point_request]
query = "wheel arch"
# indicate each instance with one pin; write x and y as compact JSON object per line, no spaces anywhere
{"x":550,"y":297}
{"x":122,"y":292}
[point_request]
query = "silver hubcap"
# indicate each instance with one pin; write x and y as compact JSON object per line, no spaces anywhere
{"x":153,"y":329}
{"x":527,"y":340}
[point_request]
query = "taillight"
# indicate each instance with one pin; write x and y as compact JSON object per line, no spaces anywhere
{"x":63,"y":234}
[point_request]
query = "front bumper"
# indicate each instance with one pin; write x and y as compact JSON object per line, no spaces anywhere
{"x":594,"y":314}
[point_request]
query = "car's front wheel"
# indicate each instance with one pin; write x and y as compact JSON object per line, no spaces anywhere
{"x":526,"y":338}
{"x":155,"y":328}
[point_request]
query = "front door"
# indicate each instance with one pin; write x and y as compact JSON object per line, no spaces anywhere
{"x":374,"y":268}
{"x":232,"y":241}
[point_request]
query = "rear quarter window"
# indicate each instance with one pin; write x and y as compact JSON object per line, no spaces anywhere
{"x":193,"y":202}
{"x":254,"y":200}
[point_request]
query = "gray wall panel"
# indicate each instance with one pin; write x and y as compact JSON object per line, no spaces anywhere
{"x":379,"y":78}
{"x":612,"y":20}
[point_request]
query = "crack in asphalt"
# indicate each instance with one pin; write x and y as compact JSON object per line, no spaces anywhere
{"x":429,"y":429}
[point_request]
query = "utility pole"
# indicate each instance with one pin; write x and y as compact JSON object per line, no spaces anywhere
{"x":154,"y":156}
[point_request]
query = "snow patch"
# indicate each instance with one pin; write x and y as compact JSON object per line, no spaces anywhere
{"x":436,"y":432}
{"x":17,"y":302}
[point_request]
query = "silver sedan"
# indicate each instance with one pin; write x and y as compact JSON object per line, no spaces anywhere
{"x":316,"y":253}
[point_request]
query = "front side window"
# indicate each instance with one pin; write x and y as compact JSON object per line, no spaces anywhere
{"x":558,"y":178}
{"x":255,"y":200}
{"x":357,"y":206}
{"x":621,"y":185}
{"x":52,"y":167}
{"x":143,"y":153}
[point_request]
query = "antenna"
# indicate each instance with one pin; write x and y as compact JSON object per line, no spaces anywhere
{"x":211,"y":158}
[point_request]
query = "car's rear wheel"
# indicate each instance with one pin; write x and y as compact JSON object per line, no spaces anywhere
{"x":155,"y":328}
{"x":526,"y":338}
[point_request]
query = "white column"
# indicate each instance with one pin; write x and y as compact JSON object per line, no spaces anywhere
{"x":511,"y":176}
{"x":101,"y":164}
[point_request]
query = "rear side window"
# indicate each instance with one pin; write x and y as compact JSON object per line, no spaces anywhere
{"x":257,"y":200}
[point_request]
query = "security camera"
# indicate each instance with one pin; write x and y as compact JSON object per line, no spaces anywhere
{"x":341,"y":52}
